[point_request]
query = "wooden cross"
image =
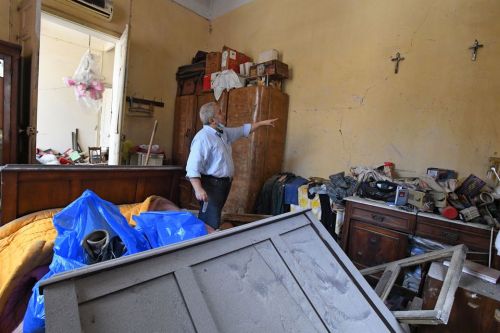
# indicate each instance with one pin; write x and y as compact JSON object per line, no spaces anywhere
{"x":397,"y":59}
{"x":474,"y":49}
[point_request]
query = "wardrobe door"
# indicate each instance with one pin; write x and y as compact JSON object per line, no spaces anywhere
{"x":259,"y":156}
{"x":184,"y":128}
{"x":275,"y":136}
{"x":243,"y":107}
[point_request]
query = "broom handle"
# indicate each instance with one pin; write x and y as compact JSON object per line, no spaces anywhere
{"x":151,"y":142}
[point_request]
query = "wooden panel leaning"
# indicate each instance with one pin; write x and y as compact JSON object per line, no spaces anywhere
{"x":30,"y":188}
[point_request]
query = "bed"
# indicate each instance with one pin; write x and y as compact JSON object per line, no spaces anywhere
{"x":30,"y":188}
{"x":32,"y":194}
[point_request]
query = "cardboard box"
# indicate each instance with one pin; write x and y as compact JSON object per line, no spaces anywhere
{"x":213,"y":62}
{"x":231,"y":59}
{"x":208,"y":81}
{"x":268,"y":55}
{"x":275,"y":68}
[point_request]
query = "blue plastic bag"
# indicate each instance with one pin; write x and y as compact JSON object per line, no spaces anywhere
{"x":73,"y":223}
{"x":168,"y":227}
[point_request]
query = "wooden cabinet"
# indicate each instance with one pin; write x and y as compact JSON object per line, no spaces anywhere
{"x":9,"y":96}
{"x":260,"y":155}
{"x":374,"y":234}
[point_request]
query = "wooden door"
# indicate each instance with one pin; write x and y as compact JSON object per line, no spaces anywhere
{"x":9,"y":90}
{"x":118,"y":98}
{"x":184,"y":127}
{"x":27,"y":24}
{"x":275,"y":137}
{"x":246,"y":105}
{"x":261,"y":155}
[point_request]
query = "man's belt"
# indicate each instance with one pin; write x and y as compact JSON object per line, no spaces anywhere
{"x":218,"y":178}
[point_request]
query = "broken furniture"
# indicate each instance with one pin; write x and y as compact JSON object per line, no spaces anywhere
{"x":374,"y":233}
{"x":476,"y":307}
{"x":281,"y":274}
{"x":255,"y":159}
{"x":440,"y":313}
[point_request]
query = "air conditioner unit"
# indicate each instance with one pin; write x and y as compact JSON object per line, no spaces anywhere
{"x":100,"y":8}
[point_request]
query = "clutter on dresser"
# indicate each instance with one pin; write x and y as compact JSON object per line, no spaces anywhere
{"x":438,"y":191}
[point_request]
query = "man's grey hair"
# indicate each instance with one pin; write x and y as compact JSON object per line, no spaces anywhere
{"x":207,"y":112}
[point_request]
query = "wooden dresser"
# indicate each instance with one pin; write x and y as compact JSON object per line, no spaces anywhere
{"x":374,"y":233}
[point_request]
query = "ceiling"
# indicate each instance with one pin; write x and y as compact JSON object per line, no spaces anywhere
{"x":211,"y":9}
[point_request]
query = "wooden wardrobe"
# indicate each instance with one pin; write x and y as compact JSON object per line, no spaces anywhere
{"x":256,"y":158}
{"x":9,"y":101}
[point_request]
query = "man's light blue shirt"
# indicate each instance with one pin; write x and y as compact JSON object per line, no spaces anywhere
{"x":211,"y":152}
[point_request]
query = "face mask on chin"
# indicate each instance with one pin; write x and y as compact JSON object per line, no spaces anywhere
{"x":220,"y":126}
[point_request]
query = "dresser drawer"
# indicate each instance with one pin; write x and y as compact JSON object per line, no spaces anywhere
{"x":445,"y":232}
{"x":384,"y":217}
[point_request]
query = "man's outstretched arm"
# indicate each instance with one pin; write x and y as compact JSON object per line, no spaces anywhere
{"x":268,"y":122}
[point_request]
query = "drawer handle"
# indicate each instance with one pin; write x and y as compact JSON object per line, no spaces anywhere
{"x":450,"y":236}
{"x":359,"y":253}
{"x":378,"y":218}
{"x":373,"y":240}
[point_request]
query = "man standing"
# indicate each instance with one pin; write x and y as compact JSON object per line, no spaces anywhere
{"x":210,"y":167}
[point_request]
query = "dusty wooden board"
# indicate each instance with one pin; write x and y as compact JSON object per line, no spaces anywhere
{"x":281,"y":274}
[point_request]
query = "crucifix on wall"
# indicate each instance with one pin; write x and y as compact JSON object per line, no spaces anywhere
{"x":397,"y":59}
{"x":474,"y":49}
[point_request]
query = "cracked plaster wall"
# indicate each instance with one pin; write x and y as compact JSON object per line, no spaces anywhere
{"x":347,"y":107}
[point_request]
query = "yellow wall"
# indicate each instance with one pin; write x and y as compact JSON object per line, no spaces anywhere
{"x":347,"y":107}
{"x":163,"y":37}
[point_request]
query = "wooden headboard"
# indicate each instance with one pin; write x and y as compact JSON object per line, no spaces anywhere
{"x":29,"y":188}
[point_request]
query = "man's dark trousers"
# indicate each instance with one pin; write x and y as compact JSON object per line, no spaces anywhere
{"x":217,"y":190}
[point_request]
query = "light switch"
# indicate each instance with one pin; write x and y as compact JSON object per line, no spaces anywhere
{"x":1,"y":67}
